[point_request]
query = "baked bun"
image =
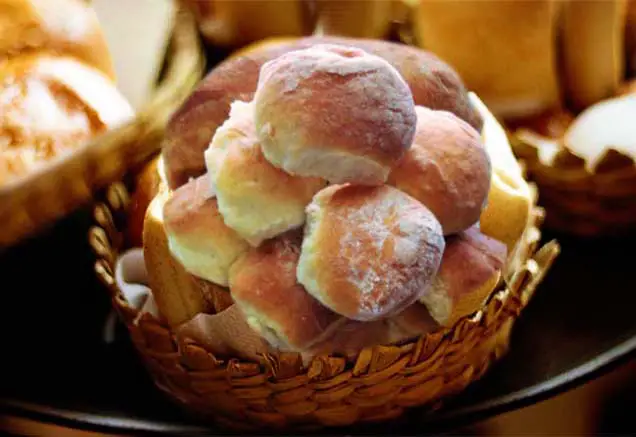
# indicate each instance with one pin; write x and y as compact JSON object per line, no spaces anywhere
{"x":470,"y":270}
{"x":368,"y":252}
{"x":433,"y":84}
{"x":264,"y":286}
{"x":198,"y":237}
{"x":447,"y":169}
{"x":334,"y":112}
{"x":49,"y":106}
{"x":256,"y":199}
{"x":56,"y":27}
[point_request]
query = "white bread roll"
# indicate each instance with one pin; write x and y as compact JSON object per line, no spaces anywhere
{"x":368,"y":252}
{"x":447,"y":169}
{"x":256,"y":199}
{"x":197,"y":235}
{"x":334,"y":112}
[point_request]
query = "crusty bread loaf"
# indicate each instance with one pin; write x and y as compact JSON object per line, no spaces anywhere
{"x":507,"y":212}
{"x":197,"y":235}
{"x":505,"y":51}
{"x":447,"y":169}
{"x":334,"y":112}
{"x":192,"y":126}
{"x":179,"y":298}
{"x":56,"y":27}
{"x":592,"y":50}
{"x":470,"y":270}
{"x":264,"y":286}
{"x":49,"y":106}
{"x":257,"y":200}
{"x":368,"y":252}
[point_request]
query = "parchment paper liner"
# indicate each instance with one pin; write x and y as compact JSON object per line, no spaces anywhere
{"x":582,"y":201}
{"x":275,"y":390}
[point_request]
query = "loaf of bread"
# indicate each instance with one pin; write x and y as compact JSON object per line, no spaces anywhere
{"x":49,"y":106}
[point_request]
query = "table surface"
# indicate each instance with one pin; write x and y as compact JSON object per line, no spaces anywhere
{"x":56,"y":367}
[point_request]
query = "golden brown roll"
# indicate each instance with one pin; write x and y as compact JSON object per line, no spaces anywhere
{"x":256,"y":199}
{"x":192,"y":126}
{"x":50,"y":106}
{"x":334,"y":112}
{"x":447,"y":169}
{"x":368,"y":252}
{"x":197,"y":235}
{"x":505,"y":51}
{"x":470,"y":270}
{"x":264,"y":286}
{"x":57,"y":27}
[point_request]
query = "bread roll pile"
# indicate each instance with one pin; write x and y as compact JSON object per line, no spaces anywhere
{"x":57,"y":86}
{"x":334,"y":209}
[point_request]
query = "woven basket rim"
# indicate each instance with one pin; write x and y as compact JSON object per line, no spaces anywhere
{"x":118,"y":196}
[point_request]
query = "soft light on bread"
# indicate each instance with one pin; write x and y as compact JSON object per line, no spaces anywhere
{"x":447,"y":169}
{"x":197,"y":235}
{"x":264,"y":286}
{"x":256,"y":199}
{"x":505,"y":51}
{"x":368,"y":252}
{"x":56,"y":27}
{"x":334,"y":112}
{"x":178,"y":296}
{"x":50,"y":106}
{"x":470,"y":270}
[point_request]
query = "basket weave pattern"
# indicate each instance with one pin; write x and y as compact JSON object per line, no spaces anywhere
{"x":281,"y":392}
{"x":580,"y":202}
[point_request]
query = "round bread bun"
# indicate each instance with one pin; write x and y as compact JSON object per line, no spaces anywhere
{"x":60,"y":27}
{"x":264,"y":286}
{"x":334,"y":112}
{"x":433,"y":84}
{"x":368,"y":252}
{"x":256,"y":199}
{"x":470,"y":270}
{"x":49,"y":106}
{"x":197,"y":235}
{"x":447,"y":169}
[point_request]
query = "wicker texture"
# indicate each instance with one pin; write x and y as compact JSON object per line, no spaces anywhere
{"x":280,"y":392}
{"x":28,"y":204}
{"x":578,"y":201}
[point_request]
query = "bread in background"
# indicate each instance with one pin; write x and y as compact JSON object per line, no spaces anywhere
{"x":505,"y":51}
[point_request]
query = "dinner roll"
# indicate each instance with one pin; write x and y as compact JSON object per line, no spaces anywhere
{"x":334,"y":112}
{"x":256,"y":199}
{"x":470,"y":271}
{"x":197,"y":235}
{"x":447,"y":169}
{"x":368,"y":252}
{"x":264,"y":286}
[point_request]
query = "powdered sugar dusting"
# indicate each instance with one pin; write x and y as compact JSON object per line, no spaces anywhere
{"x":393,"y":246}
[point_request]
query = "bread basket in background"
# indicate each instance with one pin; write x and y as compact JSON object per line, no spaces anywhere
{"x":30,"y":203}
{"x":218,"y":376}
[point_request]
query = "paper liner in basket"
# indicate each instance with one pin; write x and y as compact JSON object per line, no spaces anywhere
{"x":276,"y":389}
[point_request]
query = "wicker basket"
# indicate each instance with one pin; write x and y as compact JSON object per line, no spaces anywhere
{"x":581,"y":202}
{"x":30,"y":203}
{"x":280,"y":392}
